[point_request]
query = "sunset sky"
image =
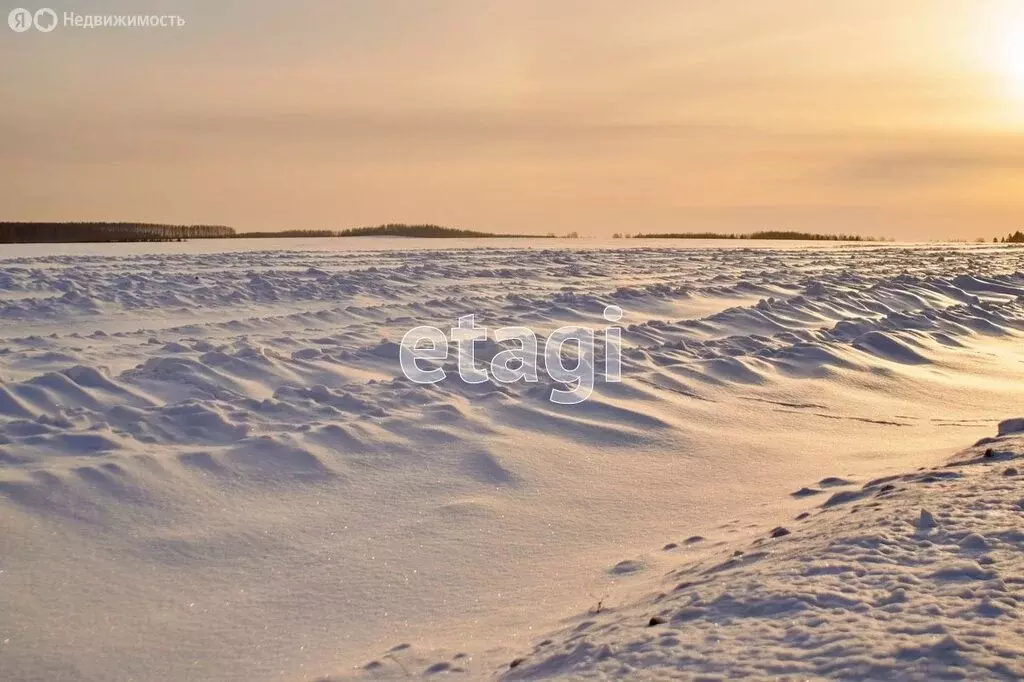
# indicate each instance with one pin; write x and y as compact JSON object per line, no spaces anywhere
{"x":902,"y":119}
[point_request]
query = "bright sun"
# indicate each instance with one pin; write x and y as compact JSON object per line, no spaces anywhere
{"x":1007,"y":51}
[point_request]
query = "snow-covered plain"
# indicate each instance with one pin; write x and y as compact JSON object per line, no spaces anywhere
{"x":905,"y":577}
{"x":211,"y":467}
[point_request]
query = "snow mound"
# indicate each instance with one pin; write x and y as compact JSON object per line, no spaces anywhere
{"x":880,"y":589}
{"x":1011,"y":426}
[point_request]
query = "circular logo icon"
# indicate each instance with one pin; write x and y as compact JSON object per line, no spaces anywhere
{"x":20,"y":20}
{"x":45,"y":20}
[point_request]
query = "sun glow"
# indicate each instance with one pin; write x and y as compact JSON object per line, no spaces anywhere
{"x":1006,"y":51}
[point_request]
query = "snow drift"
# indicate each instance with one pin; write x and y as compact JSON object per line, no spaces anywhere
{"x":212,"y":468}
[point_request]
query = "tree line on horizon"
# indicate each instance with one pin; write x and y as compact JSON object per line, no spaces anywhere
{"x":423,"y":231}
{"x":427,"y":230}
{"x":92,"y":231}
{"x":42,"y":232}
{"x":769,"y":234}
{"x":1015,"y":238}
{"x":30,"y":232}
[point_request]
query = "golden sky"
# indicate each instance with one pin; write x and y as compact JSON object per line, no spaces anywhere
{"x":890,"y":118}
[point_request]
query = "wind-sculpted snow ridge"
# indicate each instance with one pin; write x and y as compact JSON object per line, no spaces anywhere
{"x":907,"y":577}
{"x":218,"y":456}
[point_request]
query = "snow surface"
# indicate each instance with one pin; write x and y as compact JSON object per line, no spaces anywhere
{"x":911,"y":577}
{"x":210,"y":467}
